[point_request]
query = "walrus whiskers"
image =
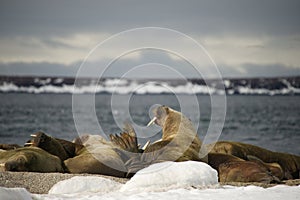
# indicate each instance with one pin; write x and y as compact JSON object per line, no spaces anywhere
{"x":152,"y":121}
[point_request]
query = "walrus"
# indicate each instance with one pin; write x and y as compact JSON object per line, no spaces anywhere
{"x":9,"y":146}
{"x":274,"y":168}
{"x":29,"y":159}
{"x":289,"y":163}
{"x":87,"y":154}
{"x":233,"y":169}
{"x":55,"y":146}
{"x":179,"y":141}
{"x":97,"y":157}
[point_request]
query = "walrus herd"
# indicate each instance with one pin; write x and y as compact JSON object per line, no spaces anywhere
{"x":121,"y":156}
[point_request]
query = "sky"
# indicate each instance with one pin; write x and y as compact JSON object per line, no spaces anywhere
{"x":257,"y":38}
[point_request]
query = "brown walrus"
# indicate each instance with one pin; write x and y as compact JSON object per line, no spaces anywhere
{"x":58,"y":147}
{"x":97,"y":157}
{"x":178,"y":136}
{"x":89,"y":154}
{"x":274,"y":168}
{"x":9,"y":146}
{"x":31,"y":159}
{"x":289,"y":163}
{"x":179,"y":142}
{"x":233,"y":169}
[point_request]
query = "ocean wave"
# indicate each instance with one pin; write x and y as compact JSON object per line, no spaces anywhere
{"x":117,"y":86}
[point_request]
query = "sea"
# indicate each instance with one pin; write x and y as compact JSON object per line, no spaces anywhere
{"x":263,"y":112}
{"x":260,"y":111}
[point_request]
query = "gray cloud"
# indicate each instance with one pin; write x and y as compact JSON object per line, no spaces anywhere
{"x":38,"y":69}
{"x":39,"y":37}
{"x":127,"y":67}
{"x":195,"y":17}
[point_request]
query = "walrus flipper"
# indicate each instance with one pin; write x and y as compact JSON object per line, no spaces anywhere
{"x":127,"y":140}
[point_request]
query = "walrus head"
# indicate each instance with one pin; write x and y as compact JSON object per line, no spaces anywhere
{"x":49,"y":144}
{"x":16,"y":163}
{"x":173,"y":123}
{"x":178,"y":135}
{"x":160,"y":115}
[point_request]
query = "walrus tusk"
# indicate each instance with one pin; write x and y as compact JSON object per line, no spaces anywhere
{"x":33,"y":135}
{"x":146,"y":145}
{"x":2,"y":164}
{"x":29,"y":143}
{"x":152,"y":121}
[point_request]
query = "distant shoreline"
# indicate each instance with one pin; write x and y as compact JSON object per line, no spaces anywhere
{"x":228,"y":86}
{"x":10,"y":77}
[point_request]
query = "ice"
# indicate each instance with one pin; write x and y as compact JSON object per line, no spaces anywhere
{"x":166,"y":175}
{"x":79,"y":184}
{"x":224,"y":193}
{"x":184,"y":180}
{"x":14,"y":194}
{"x":227,"y":83}
{"x":119,"y":86}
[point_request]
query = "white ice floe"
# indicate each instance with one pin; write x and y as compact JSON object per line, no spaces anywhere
{"x":166,"y":175}
{"x":87,"y":184}
{"x":159,"y":181}
{"x":119,"y":86}
{"x":223,"y":193}
{"x":14,"y":194}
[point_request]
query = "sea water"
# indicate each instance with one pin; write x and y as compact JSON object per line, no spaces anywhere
{"x":271,"y":122}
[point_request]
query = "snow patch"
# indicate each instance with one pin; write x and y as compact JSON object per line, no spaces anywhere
{"x":14,"y":194}
{"x":224,"y":193}
{"x":79,"y":184}
{"x":170,"y":175}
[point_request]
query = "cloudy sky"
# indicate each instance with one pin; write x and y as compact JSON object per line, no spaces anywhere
{"x":245,"y":38}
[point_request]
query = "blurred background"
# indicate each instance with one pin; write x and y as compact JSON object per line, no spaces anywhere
{"x":255,"y":45}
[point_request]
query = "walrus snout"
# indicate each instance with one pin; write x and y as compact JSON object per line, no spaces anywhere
{"x":16,"y":164}
{"x":37,"y":139}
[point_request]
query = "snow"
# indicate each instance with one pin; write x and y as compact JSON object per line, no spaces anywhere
{"x":119,"y":86}
{"x":224,"y":193}
{"x":185,"y":180}
{"x":14,"y":194}
{"x":87,"y":184}
{"x":166,"y":175}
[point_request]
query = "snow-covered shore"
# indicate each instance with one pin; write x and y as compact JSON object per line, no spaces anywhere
{"x":187,"y":180}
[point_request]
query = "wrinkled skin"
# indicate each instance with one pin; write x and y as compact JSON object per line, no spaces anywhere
{"x":58,"y":147}
{"x":234,"y":169}
{"x":29,"y":159}
{"x":179,"y":142}
{"x":289,"y":163}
